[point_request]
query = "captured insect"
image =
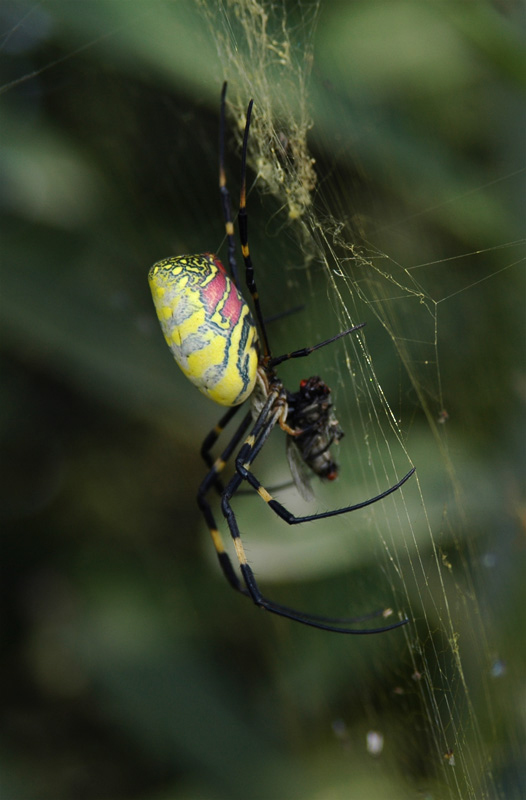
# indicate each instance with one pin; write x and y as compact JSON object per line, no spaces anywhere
{"x":225,"y":352}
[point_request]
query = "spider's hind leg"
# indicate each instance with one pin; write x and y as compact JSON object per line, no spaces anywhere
{"x":252,"y":445}
{"x":212,"y":437}
{"x":212,"y":480}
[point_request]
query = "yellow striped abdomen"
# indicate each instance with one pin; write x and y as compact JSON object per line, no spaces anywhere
{"x":207,"y":325}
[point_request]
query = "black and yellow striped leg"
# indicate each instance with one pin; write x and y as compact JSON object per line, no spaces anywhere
{"x":242,"y":221}
{"x":225,"y":194}
{"x":291,"y":519}
{"x":214,"y":435}
{"x":211,"y":480}
{"x":249,"y":451}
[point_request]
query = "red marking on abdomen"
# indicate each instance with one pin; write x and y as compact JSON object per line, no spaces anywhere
{"x":233,"y":305}
{"x":213,"y":292}
{"x":222,"y":291}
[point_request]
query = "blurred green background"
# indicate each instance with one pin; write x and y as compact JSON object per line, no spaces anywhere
{"x":129,"y":669}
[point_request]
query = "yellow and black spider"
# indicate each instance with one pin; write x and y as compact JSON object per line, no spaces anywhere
{"x":210,"y":330}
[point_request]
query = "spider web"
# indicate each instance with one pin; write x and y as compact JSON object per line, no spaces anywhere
{"x":369,"y":231}
{"x":256,"y":47}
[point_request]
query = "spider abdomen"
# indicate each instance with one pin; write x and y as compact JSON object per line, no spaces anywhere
{"x":207,"y":325}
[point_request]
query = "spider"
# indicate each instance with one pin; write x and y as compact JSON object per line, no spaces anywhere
{"x":225,"y":352}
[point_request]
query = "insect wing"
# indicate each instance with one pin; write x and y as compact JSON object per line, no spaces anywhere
{"x":299,"y":470}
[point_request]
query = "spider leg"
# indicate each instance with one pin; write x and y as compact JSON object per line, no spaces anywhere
{"x":383,"y":612}
{"x":214,"y":435}
{"x":249,"y":452}
{"x":306,"y":351}
{"x":266,"y":422}
{"x":291,"y":519}
{"x":243,"y":235}
{"x":211,"y":480}
{"x":277,"y":488}
{"x":225,"y":194}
